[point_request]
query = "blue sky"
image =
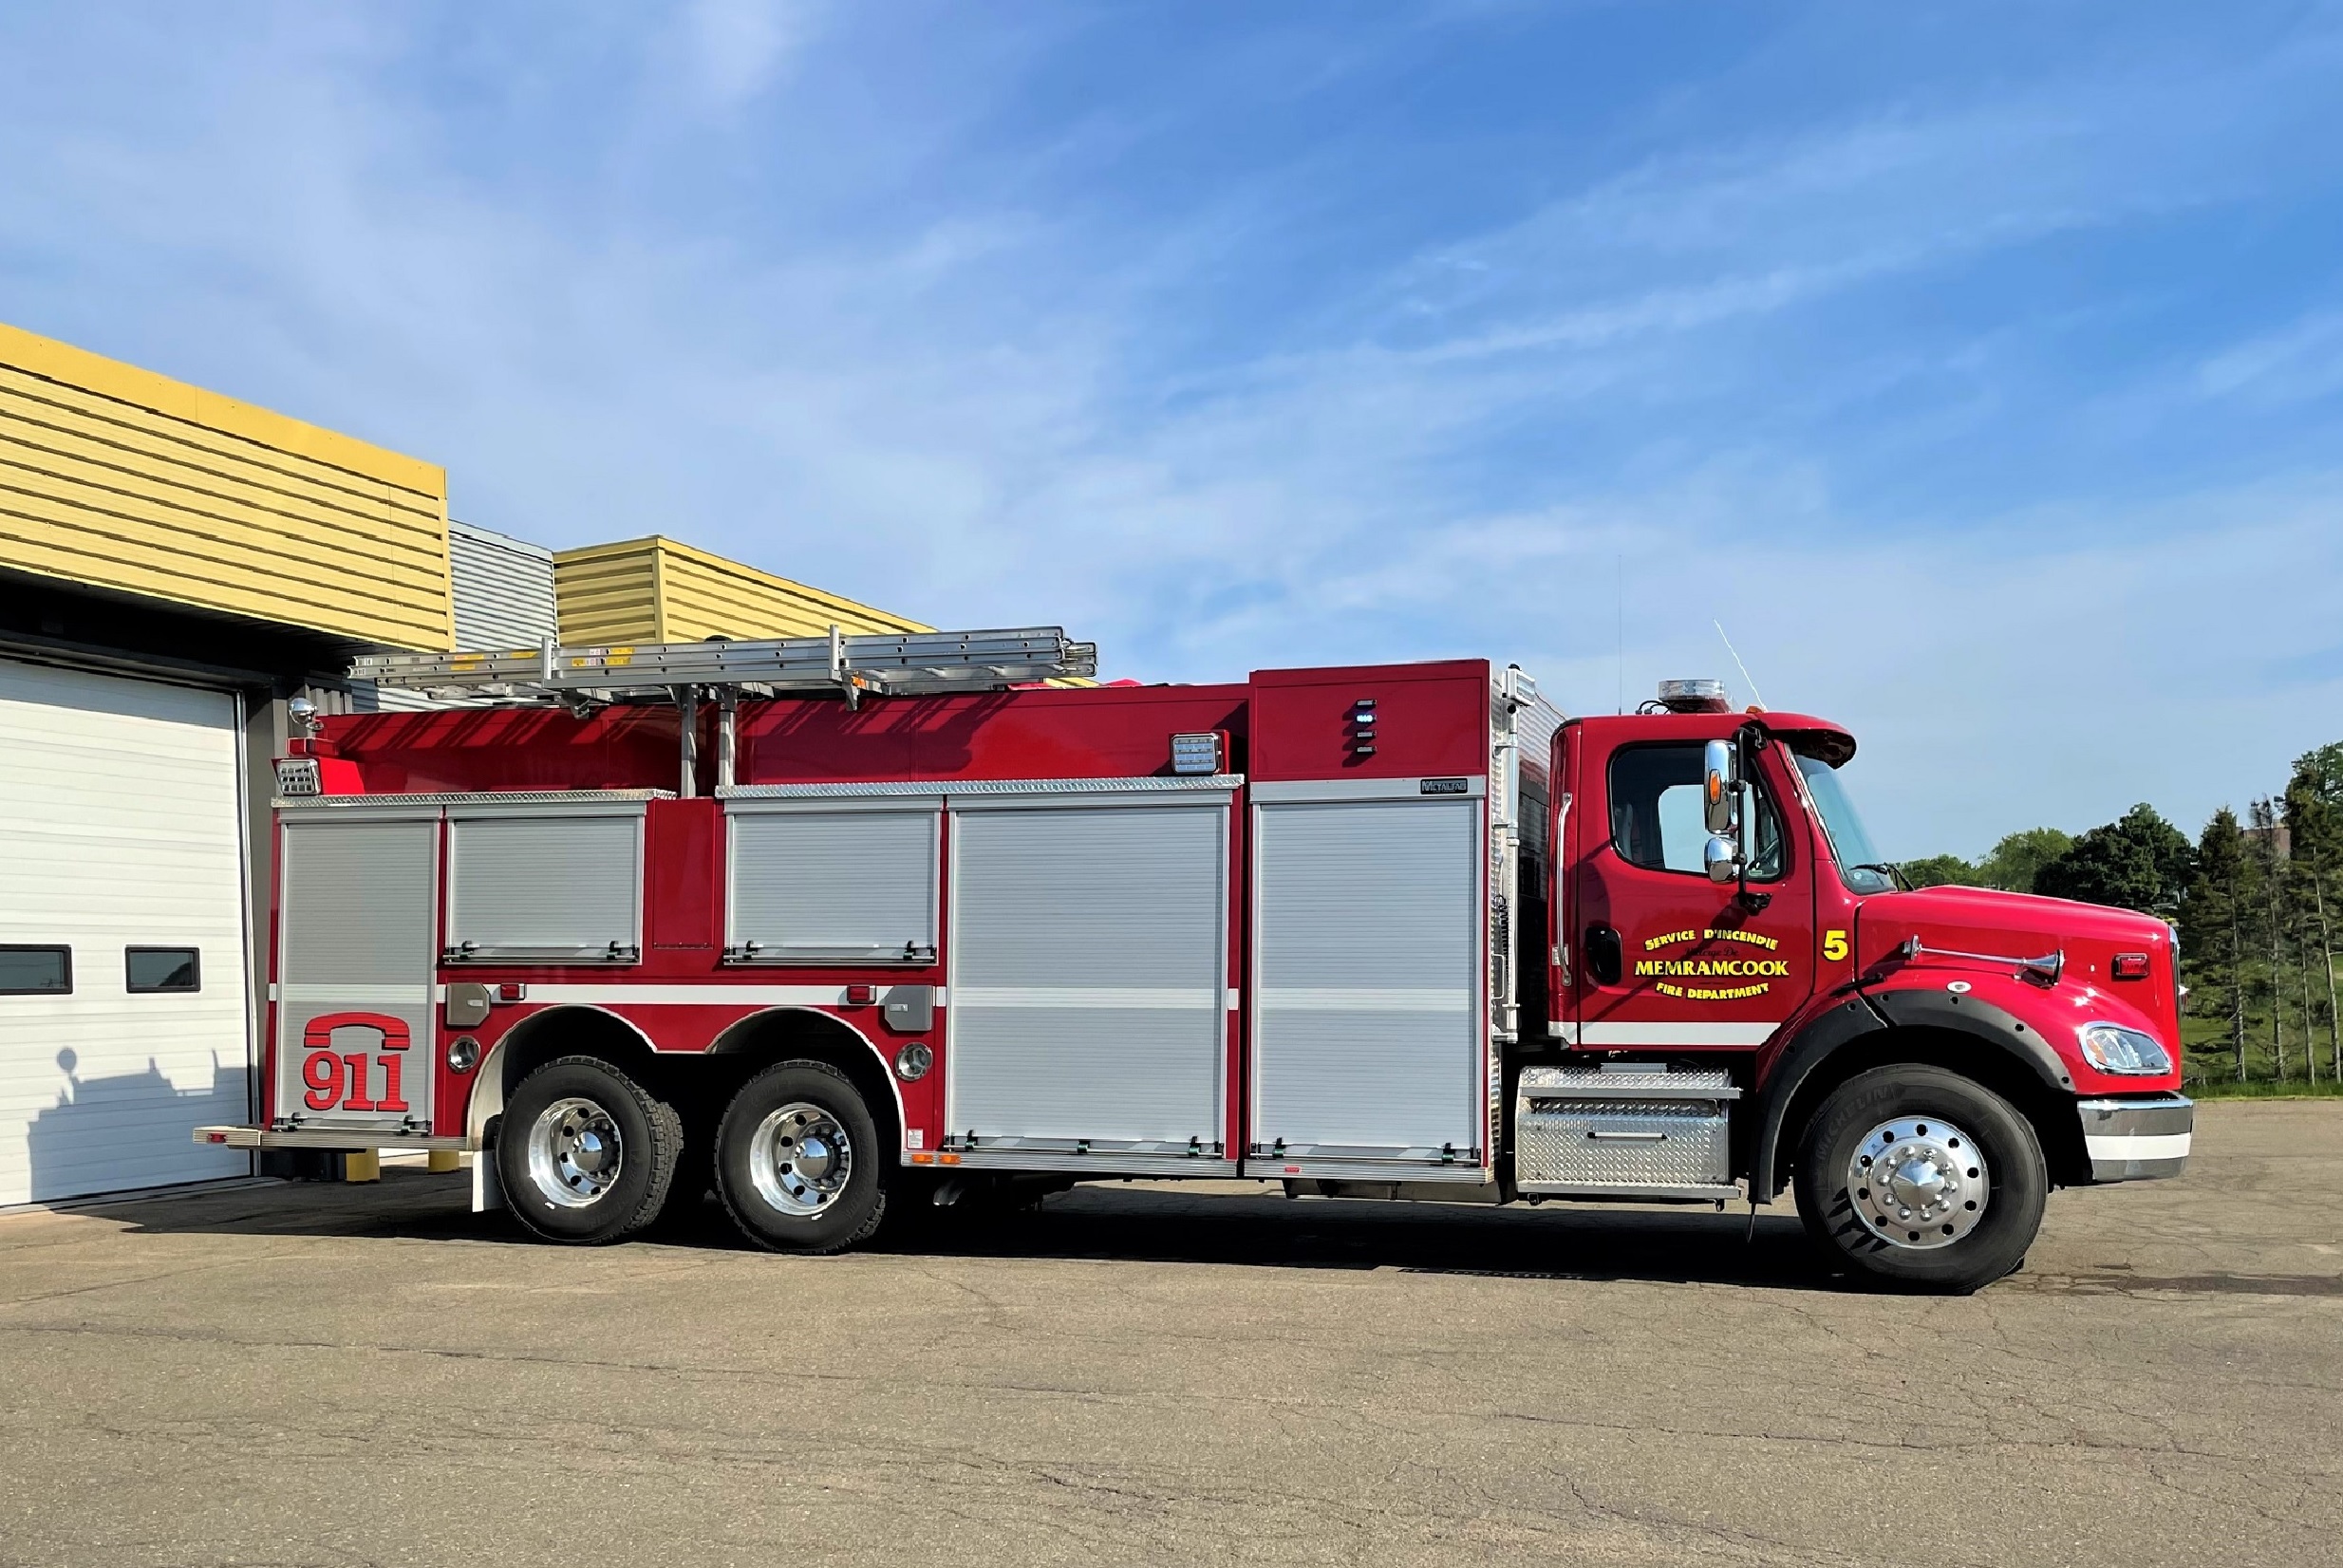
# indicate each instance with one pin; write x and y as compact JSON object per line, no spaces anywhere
{"x":1979,"y":367}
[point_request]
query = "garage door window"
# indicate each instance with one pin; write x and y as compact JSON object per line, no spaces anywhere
{"x":36,"y":971}
{"x":162,"y":969}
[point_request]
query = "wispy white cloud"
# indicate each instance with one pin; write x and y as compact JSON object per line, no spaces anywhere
{"x":739,"y":48}
{"x":2303,"y":360}
{"x":918,"y":343}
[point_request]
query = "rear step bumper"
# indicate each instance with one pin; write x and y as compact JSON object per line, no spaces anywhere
{"x":2137,"y":1140}
{"x":318,"y":1137}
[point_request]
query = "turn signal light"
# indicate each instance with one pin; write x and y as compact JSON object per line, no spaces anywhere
{"x":2129,"y":967}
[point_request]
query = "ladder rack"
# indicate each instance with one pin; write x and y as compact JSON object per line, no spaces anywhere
{"x":907,"y":663}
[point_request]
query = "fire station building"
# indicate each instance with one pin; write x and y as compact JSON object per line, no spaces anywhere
{"x":176,"y":568}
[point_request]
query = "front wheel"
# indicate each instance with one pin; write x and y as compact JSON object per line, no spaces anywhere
{"x":798,"y":1161}
{"x":1918,"y":1177}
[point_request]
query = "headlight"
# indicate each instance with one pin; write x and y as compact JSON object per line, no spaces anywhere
{"x":2111,"y":1048}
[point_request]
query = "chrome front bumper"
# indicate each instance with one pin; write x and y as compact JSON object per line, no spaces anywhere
{"x":2136,"y":1140}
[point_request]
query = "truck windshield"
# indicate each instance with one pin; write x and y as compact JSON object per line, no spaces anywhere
{"x":1860,"y":864}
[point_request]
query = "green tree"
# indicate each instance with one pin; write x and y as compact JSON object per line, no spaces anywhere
{"x":1939,"y":870}
{"x":2264,"y":851}
{"x":2213,"y":947}
{"x":2018,"y":858}
{"x":2137,"y":862}
{"x":2313,"y":812}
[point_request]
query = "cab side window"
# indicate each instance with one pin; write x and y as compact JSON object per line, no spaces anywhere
{"x":1656,"y":821}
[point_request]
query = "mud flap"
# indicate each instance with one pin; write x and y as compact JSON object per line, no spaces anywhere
{"x":487,"y":1187}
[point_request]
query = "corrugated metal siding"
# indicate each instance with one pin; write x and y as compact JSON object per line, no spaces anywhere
{"x":657,"y":591}
{"x":504,"y":599}
{"x":504,"y":589}
{"x":119,"y":479}
{"x":608,"y":593}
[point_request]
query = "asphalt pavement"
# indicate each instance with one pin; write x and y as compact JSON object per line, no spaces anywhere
{"x":305,"y":1375}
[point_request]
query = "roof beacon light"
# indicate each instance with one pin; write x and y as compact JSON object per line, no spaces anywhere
{"x":1694,"y":697}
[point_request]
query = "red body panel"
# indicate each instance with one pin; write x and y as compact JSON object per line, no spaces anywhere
{"x":1699,"y":969}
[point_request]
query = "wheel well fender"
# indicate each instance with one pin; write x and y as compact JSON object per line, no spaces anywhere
{"x":1824,"y":1038}
{"x":783,"y":1033}
{"x":578,"y":1030}
{"x":1975,"y":1039}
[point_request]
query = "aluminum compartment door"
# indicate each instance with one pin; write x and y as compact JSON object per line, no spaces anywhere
{"x":1088,"y":967}
{"x":835,"y":881}
{"x":354,"y":989}
{"x":1367,"y":1000}
{"x":550,"y":886}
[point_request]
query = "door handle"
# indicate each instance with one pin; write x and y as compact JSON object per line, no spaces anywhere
{"x":1603,"y":955}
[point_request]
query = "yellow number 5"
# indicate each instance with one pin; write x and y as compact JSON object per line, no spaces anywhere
{"x":1834,"y":945}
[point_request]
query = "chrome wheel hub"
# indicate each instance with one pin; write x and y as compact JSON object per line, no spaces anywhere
{"x":1918,"y":1183}
{"x":574,"y":1152}
{"x":801,"y":1159}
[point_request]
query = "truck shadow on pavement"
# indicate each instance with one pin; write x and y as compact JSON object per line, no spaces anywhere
{"x":1109,"y":1223}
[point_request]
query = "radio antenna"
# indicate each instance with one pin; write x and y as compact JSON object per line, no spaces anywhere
{"x":1755,"y":695}
{"x":1619,"y":662}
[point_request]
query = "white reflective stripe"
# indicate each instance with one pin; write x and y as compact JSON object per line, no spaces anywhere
{"x":1139,"y":997}
{"x":1568,"y":1032}
{"x":707,"y":994}
{"x":1602,"y":1034}
{"x":1236,"y":1000}
{"x":2137,"y":1146}
{"x":1362,"y":999}
{"x":373,"y":995}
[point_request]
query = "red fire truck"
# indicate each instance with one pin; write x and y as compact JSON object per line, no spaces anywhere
{"x":849,"y":924}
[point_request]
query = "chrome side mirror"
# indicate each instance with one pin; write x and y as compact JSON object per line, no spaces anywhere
{"x":1721,"y":856}
{"x":1720,"y":789}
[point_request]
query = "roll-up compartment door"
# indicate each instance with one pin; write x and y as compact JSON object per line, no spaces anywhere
{"x":1367,"y":1033}
{"x":833,"y":881}
{"x":354,"y":979}
{"x":552,"y":884}
{"x":1088,"y":974}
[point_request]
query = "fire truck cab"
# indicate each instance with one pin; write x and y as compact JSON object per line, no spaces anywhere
{"x":841,"y":927}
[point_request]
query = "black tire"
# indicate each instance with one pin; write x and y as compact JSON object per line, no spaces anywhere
{"x":772,"y":1191}
{"x":649,"y":1140}
{"x":1856,"y":1227}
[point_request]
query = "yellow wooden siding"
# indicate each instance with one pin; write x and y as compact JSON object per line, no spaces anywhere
{"x":657,"y":591}
{"x":116,"y":478}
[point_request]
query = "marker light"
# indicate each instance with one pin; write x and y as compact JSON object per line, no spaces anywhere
{"x":2129,"y":967}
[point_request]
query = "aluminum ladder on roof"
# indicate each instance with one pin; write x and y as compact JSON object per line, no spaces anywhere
{"x":887,"y":663}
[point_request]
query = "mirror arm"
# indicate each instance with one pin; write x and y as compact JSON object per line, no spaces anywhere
{"x":1754,"y":903}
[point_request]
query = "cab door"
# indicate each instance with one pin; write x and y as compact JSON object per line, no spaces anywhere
{"x":1663,"y":959}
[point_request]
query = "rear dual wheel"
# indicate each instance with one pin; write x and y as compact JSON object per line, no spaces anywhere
{"x":1921,"y":1178}
{"x":798,"y":1160}
{"x":585,"y":1154}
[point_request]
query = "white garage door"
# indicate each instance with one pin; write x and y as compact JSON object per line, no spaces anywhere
{"x":121,"y":935}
